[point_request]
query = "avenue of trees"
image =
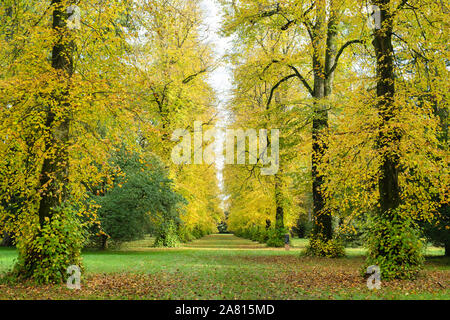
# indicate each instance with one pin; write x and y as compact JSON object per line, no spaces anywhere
{"x":359,"y":92}
{"x":91,"y":92}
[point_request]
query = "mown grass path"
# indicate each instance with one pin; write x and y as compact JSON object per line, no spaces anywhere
{"x":227,"y":267}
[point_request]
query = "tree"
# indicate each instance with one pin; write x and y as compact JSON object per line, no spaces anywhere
{"x":385,"y":251}
{"x":385,"y":164}
{"x":53,"y":176}
{"x":139,"y":201}
{"x":57,"y":87}
{"x":322,"y":37}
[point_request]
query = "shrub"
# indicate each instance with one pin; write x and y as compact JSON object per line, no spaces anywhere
{"x":262,"y":235}
{"x":319,"y":247}
{"x":185,"y":235}
{"x":222,"y":227}
{"x":275,"y":237}
{"x":254,"y":233}
{"x":246,"y":233}
{"x":167,"y":235}
{"x":394,"y":245}
{"x":46,"y":253}
{"x":198,"y":232}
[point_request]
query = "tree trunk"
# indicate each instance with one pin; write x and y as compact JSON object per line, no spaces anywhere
{"x":388,"y":138}
{"x":104,"y":241}
{"x":447,"y":248}
{"x":278,"y":186}
{"x":321,"y":218}
{"x":323,"y":79}
{"x":279,"y":214}
{"x":54,"y":172}
{"x":7,"y":240}
{"x":53,"y":176}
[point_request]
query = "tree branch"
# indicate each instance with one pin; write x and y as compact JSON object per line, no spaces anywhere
{"x":192,"y":76}
{"x":402,"y":4}
{"x":303,"y":80}
{"x":296,"y":74}
{"x":409,"y":47}
{"x":264,"y":14}
{"x":276,"y":86}
{"x":288,"y":24}
{"x":341,"y":50}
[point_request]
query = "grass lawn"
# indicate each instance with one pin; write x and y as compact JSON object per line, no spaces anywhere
{"x":228,"y":267}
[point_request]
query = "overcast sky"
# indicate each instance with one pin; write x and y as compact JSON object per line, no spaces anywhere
{"x":220,"y":78}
